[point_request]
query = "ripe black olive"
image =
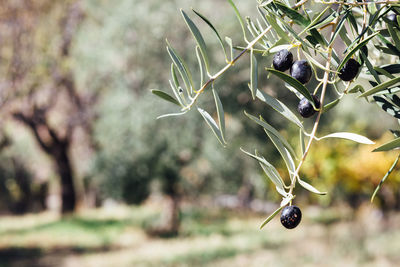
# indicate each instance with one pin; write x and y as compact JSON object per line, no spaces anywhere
{"x":306,"y":109}
{"x":291,"y":217}
{"x":301,"y":71}
{"x":349,"y":70}
{"x":282,"y":60}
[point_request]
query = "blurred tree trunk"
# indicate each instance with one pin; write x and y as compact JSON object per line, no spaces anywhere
{"x":57,"y":148}
{"x":68,"y":192}
{"x":42,"y":82}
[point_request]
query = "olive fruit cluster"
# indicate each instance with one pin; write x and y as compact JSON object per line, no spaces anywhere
{"x":299,"y":69}
{"x":290,"y":216}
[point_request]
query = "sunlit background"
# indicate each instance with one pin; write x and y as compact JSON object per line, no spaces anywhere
{"x":89,"y":177}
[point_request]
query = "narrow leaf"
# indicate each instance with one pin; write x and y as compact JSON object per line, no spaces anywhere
{"x":355,"y":49}
{"x":215,"y":31}
{"x":182,"y":69}
{"x":293,"y":14}
{"x":239,"y":17}
{"x":211,"y":123}
{"x":272,"y":130}
{"x":272,"y":21}
{"x":268,"y":169}
{"x":279,"y":106}
{"x":381,"y":87}
{"x":338,"y":28}
{"x":293,"y":82}
{"x":229,"y":42}
{"x":171,"y":115}
{"x":310,"y":187}
{"x":331,"y":105}
{"x":387,"y":106}
{"x":165,"y":96}
{"x":270,"y":217}
{"x":384,"y":178}
{"x":393,"y":144}
{"x":198,"y":37}
{"x":220,"y":112}
{"x":350,"y":136}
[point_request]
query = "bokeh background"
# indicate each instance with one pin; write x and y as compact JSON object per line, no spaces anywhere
{"x":89,"y":177}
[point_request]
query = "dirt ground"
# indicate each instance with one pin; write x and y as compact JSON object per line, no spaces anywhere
{"x":209,"y":237}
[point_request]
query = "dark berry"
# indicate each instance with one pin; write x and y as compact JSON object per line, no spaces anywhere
{"x":349,"y":70}
{"x":282,"y":60}
{"x":291,"y":217}
{"x":301,"y":71}
{"x":306,"y":109}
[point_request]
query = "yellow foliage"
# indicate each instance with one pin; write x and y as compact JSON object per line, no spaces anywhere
{"x":354,"y":166}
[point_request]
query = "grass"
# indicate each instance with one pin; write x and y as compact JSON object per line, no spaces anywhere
{"x":209,"y":237}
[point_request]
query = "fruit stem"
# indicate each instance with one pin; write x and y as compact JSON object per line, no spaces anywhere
{"x":325,"y":82}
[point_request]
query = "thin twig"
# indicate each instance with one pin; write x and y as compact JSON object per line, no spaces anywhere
{"x":316,"y":124}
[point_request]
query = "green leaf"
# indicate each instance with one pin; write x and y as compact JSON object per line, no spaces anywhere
{"x":316,"y":19}
{"x":239,"y":17}
{"x":272,"y":21}
{"x":330,"y":105}
{"x":171,"y":115}
{"x":253,"y":74}
{"x":285,"y":153}
{"x":350,"y":136}
{"x":355,"y":89}
{"x":272,"y":130}
{"x":293,"y":14}
{"x":384,"y":72}
{"x":182,"y":68}
{"x":229,"y":42}
{"x":220,"y":112}
{"x":279,"y":106}
{"x":177,"y":94}
{"x":388,"y":107}
{"x":198,"y":37}
{"x":293,"y":82}
{"x":391,"y":68}
{"x":174,"y":77}
{"x":270,"y":217}
{"x":393,"y":144}
{"x":394,"y":34}
{"x":355,"y":49}
{"x":215,"y":31}
{"x":338,"y":28}
{"x":381,"y":87}
{"x":384,"y":178}
{"x":370,"y":68}
{"x":201,"y":65}
{"x":310,"y":187}
{"x":165,"y":96}
{"x":211,"y":123}
{"x":269,"y":170}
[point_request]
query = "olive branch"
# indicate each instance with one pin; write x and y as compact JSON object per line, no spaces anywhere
{"x":362,"y":26}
